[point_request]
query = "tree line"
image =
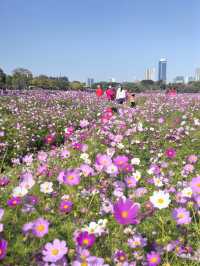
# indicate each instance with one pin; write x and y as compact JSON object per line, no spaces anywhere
{"x":22,"y":78}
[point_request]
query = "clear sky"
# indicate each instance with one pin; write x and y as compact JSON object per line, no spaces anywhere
{"x":100,"y":38}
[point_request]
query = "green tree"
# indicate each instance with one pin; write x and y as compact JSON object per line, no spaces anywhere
{"x":21,"y":78}
{"x":76,"y":85}
{"x":8,"y":80}
{"x":2,"y":78}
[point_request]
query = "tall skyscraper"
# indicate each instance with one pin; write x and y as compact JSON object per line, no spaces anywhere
{"x":197,"y":74}
{"x":149,"y":74}
{"x":90,"y":82}
{"x":162,"y":69}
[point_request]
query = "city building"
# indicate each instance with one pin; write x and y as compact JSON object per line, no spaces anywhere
{"x":162,"y":70}
{"x":179,"y":79}
{"x":112,"y":80}
{"x":149,"y":74}
{"x":90,"y":82}
{"x":197,"y":74}
{"x":189,"y":79}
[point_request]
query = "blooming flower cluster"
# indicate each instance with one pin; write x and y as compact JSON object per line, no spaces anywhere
{"x":91,"y":186}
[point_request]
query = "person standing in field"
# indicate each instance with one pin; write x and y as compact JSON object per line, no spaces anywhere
{"x":110,"y":93}
{"x":121,"y":95}
{"x":99,"y":91}
{"x":131,"y":98}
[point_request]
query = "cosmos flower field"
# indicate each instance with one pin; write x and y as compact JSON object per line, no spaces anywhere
{"x":85,"y":184}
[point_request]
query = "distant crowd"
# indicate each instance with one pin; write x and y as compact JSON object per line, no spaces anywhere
{"x":118,"y":94}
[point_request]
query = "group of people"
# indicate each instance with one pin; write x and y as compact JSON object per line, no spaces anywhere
{"x":171,"y":92}
{"x":119,"y":95}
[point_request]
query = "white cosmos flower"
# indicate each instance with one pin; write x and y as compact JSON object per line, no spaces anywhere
{"x":88,"y":161}
{"x":120,"y":146}
{"x":84,"y":156}
{"x":187,"y":192}
{"x":137,"y":175}
{"x":19,"y":191}
{"x":135,"y":161}
{"x":46,"y":187}
{"x":28,"y":184}
{"x":1,"y":228}
{"x":157,"y":182}
{"x":160,"y":199}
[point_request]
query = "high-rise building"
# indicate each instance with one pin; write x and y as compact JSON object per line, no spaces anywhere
{"x":162,"y":70}
{"x":189,"y":79}
{"x":197,"y":74}
{"x":112,"y":80}
{"x":90,"y":82}
{"x":179,"y":79}
{"x":149,"y":74}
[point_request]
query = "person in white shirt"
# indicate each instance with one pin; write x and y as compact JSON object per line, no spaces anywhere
{"x":121,"y":95}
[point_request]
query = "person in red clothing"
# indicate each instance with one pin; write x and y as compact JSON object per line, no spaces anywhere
{"x":110,"y":93}
{"x":99,"y":91}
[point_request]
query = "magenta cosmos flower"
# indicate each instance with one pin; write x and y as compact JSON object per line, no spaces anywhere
{"x":120,"y":256}
{"x":14,"y":201}
{"x":54,"y":251}
{"x":103,"y":160}
{"x":85,"y":239}
{"x":50,"y":139}
{"x":126,"y":211}
{"x":170,"y":153}
{"x":181,"y":216}
{"x":130,"y":181}
{"x":153,"y":259}
{"x":120,"y":161}
{"x":3,"y":248}
{"x":195,"y":185}
{"x":72,"y":177}
{"x":65,"y":206}
{"x":192,"y":158}
{"x":40,"y":227}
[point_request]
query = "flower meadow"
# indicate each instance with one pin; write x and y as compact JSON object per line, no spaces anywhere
{"x":85,"y":184}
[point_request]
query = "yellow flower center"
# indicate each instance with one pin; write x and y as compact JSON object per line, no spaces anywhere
{"x":14,"y":202}
{"x":70,"y":177}
{"x":54,"y":251}
{"x":40,"y":228}
{"x":84,"y":264}
{"x":198,"y":185}
{"x":137,"y":243}
{"x":161,"y":201}
{"x":122,"y":258}
{"x":153,"y":260}
{"x":1,"y":251}
{"x":124,"y":214}
{"x":85,"y":241}
{"x":181,"y":216}
{"x":65,"y":206}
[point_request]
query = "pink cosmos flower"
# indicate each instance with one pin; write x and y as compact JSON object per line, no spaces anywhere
{"x":72,"y":177}
{"x":170,"y":153}
{"x":153,"y":259}
{"x":65,"y":206}
{"x":3,"y":248}
{"x":181,"y":216}
{"x":85,"y":239}
{"x":55,"y":251}
{"x":40,"y":227}
{"x":126,"y":211}
{"x":195,"y":185}
{"x":14,"y":201}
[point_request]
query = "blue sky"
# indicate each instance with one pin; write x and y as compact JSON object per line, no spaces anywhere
{"x":99,"y":38}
